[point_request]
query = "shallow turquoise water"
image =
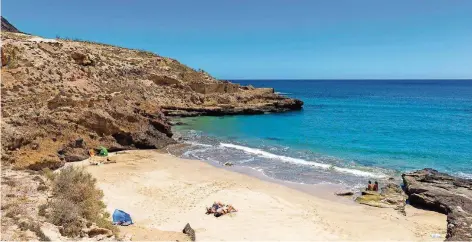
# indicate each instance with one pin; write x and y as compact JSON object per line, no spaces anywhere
{"x":379,"y":127}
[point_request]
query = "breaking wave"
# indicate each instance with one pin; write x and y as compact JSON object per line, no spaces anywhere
{"x":297,"y":161}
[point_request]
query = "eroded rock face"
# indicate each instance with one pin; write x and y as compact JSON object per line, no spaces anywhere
{"x":441,"y":192}
{"x":57,"y":91}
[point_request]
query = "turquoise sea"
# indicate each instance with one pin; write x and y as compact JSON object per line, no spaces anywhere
{"x":348,"y":131}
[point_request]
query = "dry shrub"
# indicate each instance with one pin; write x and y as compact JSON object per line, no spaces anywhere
{"x":42,"y":210}
{"x":33,"y":227}
{"x":42,"y":187}
{"x":66,"y":214}
{"x":8,"y":181}
{"x":76,"y":200}
{"x":12,"y":211}
{"x":12,"y":208}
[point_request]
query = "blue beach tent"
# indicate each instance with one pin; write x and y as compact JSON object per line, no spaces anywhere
{"x":121,"y":218}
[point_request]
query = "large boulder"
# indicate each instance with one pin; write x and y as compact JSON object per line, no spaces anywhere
{"x":441,"y":192}
{"x":74,"y":151}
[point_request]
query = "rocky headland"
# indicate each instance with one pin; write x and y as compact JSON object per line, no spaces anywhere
{"x":446,"y":194}
{"x":62,"y":97}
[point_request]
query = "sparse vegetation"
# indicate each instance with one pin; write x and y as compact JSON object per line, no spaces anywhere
{"x":34,"y":227}
{"x":76,"y":201}
{"x":12,"y":209}
{"x":49,"y":174}
{"x":42,"y":210}
{"x":145,"y":53}
{"x":42,"y":187}
{"x":141,"y":52}
{"x":8,"y":181}
{"x":11,"y":57}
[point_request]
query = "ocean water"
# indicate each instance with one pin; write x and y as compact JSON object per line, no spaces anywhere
{"x":348,"y":132}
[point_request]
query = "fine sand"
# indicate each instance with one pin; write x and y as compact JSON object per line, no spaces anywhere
{"x":163,"y":193}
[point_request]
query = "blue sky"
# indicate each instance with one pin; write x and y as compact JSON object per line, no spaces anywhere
{"x":244,"y":39}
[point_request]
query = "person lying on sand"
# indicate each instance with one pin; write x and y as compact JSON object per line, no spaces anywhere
{"x":224,"y":210}
{"x":219,"y":209}
{"x":214,"y":207}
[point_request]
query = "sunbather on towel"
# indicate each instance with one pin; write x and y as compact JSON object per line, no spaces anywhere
{"x":214,"y":207}
{"x":224,"y":210}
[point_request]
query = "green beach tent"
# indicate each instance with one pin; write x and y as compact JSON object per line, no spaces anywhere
{"x":103,"y":151}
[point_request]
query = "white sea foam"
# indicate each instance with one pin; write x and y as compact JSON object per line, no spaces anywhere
{"x":283,"y":93}
{"x":464,"y":175}
{"x":197,"y":144}
{"x":298,"y":161}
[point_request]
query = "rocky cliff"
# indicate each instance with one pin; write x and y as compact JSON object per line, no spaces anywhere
{"x":441,"y":192}
{"x":61,"y":98}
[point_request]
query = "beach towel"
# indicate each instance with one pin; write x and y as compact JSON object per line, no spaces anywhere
{"x":121,"y":218}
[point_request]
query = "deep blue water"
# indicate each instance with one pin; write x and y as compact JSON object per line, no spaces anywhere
{"x":348,"y":130}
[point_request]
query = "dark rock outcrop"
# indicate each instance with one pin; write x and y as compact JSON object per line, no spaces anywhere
{"x":7,"y":26}
{"x":347,"y":193}
{"x":276,"y":106}
{"x":441,"y":192}
{"x":189,"y":231}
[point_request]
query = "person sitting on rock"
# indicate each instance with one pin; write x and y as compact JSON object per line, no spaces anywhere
{"x":370,"y":187}
{"x":376,"y":186}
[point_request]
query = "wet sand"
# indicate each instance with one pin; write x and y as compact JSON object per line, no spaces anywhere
{"x":163,"y":193}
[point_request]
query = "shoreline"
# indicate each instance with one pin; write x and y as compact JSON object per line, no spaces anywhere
{"x":163,"y":193}
{"x":353,"y":178}
{"x":325,"y":190}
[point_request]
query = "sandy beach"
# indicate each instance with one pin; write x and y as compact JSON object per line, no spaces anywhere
{"x":163,"y":193}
